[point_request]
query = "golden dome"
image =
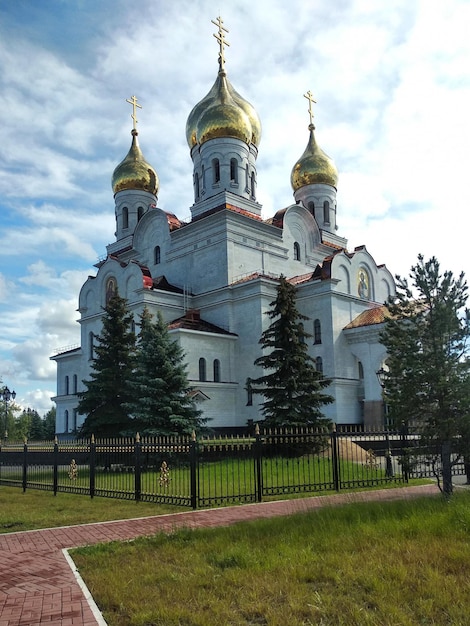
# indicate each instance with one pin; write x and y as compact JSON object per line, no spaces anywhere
{"x":314,"y":166}
{"x":134,"y":172}
{"x":223,"y":113}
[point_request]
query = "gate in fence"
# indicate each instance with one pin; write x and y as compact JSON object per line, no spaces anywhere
{"x":209,"y":472}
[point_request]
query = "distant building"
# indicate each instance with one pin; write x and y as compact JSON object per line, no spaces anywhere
{"x":214,"y":277}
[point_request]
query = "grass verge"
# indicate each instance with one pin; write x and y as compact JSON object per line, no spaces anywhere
{"x":401,"y":563}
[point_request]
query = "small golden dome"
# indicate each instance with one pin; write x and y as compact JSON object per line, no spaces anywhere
{"x":313,"y":167}
{"x":223,"y":113}
{"x":134,"y":172}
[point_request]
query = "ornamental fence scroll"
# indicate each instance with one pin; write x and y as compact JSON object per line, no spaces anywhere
{"x":215,"y":471}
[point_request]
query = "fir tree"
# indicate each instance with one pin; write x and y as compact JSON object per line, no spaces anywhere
{"x":161,"y":404}
{"x":426,"y":335}
{"x":49,"y":424}
{"x":107,"y":392}
{"x":293,"y":389}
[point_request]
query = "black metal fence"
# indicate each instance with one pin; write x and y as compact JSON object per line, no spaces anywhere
{"x":208,"y":472}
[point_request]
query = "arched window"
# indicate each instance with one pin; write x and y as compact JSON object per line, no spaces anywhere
{"x":90,"y":346}
{"x":360,"y":370}
{"x":249,"y":393}
{"x":157,"y":255}
{"x":326,"y":212}
{"x":125,"y":217}
{"x":311,"y":207}
{"x":247,"y":179}
{"x":253,"y":185}
{"x":75,"y":383}
{"x":140,"y":212}
{"x":216,"y":170}
{"x":319,"y":364}
{"x":216,"y":371}
{"x":66,"y":421}
{"x":202,"y":369}
{"x":296,"y":251}
{"x":67,"y":386}
{"x":317,"y":331}
{"x":196,"y":185}
{"x":233,"y":171}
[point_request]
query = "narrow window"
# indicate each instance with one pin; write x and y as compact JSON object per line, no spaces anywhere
{"x":90,"y":346}
{"x":157,"y":255}
{"x":196,"y":185}
{"x":66,"y":420}
{"x":326,"y":212}
{"x":216,"y":371}
{"x":233,"y":171}
{"x":247,"y":179}
{"x":253,"y":185}
{"x":317,"y":331}
{"x":319,"y":364}
{"x":296,"y":251}
{"x":360,"y":368}
{"x":75,"y":383}
{"x":125,"y":217}
{"x":311,"y":207}
{"x":67,"y":386}
{"x":249,"y":393}
{"x":202,"y":369}
{"x":140,"y":212}
{"x":216,"y":170}
{"x":203,"y":179}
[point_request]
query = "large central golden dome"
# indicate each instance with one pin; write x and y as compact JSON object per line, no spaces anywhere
{"x":314,"y":166}
{"x":223,"y":113}
{"x":134,"y":172}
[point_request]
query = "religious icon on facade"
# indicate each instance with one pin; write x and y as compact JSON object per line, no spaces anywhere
{"x":110,"y":289}
{"x":363,"y":284}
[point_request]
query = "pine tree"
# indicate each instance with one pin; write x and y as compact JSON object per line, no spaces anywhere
{"x":161,"y":404}
{"x":426,"y":335}
{"x":107,"y":392}
{"x":293,"y":389}
{"x":49,"y":424}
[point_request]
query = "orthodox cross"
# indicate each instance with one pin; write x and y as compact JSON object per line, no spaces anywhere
{"x":135,"y":104}
{"x":220,"y":36}
{"x":309,"y":96}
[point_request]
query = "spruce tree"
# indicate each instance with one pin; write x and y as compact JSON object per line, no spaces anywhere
{"x":293,"y":389}
{"x":426,"y":337}
{"x":107,"y":392}
{"x":160,"y":401}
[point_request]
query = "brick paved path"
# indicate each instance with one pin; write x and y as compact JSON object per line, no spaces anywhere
{"x":38,"y":583}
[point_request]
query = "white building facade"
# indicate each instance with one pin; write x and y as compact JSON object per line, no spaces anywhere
{"x":214,"y":278}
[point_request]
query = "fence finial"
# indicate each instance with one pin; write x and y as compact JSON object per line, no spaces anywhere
{"x":137,"y":437}
{"x":92,"y":438}
{"x":257,"y":429}
{"x":193,"y":436}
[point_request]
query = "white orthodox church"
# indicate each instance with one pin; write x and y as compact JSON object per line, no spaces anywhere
{"x":214,"y":277}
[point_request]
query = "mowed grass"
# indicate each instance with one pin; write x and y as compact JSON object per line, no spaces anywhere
{"x":41,"y":509}
{"x":400,"y":563}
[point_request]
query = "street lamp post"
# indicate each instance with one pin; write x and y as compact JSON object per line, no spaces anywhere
{"x":6,"y":395}
{"x":382,"y":376}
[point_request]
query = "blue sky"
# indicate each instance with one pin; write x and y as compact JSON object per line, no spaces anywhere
{"x":392,"y":84}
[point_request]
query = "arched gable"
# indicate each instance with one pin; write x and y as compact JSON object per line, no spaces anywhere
{"x":300,"y":226}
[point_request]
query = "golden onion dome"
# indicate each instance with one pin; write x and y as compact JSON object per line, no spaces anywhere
{"x":314,"y":166}
{"x":134,"y":172}
{"x":223,"y":113}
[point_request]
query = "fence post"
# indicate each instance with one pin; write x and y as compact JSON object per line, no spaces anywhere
{"x":137,"y":468}
{"x":405,"y":454}
{"x":258,"y":465}
{"x":56,"y":465}
{"x":335,"y":458}
{"x":193,"y":470}
{"x":92,"y":465}
{"x":25,"y":463}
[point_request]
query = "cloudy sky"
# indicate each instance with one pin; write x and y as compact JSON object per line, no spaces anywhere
{"x":392,"y":84}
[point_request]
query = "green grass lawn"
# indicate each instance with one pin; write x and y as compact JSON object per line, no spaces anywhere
{"x":401,"y":563}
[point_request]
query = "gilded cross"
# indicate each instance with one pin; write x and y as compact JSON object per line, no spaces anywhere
{"x":135,"y":104}
{"x":309,"y":96}
{"x":220,"y":36}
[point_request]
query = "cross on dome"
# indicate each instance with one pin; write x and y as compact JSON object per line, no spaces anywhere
{"x":220,"y":36}
{"x":309,"y":96}
{"x":133,"y":102}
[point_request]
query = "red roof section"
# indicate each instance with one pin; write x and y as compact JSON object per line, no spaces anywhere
{"x":374,"y":315}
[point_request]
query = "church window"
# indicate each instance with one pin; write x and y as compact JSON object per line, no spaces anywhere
{"x":67,"y":386}
{"x":249,"y":393}
{"x":216,"y":170}
{"x":157,"y":255}
{"x":216,"y":371}
{"x":326,"y":212}
{"x":90,"y":346}
{"x":311,"y":207}
{"x":125,"y":217}
{"x":319,"y":364}
{"x":75,"y":383}
{"x":360,"y":370}
{"x":140,"y":212}
{"x":133,"y":326}
{"x":203,"y":178}
{"x":296,"y":251}
{"x":247,"y":179}
{"x":66,"y":420}
{"x":202,"y":369}
{"x":253,"y":185}
{"x":196,"y":185}
{"x":233,"y":171}
{"x":317,"y":331}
